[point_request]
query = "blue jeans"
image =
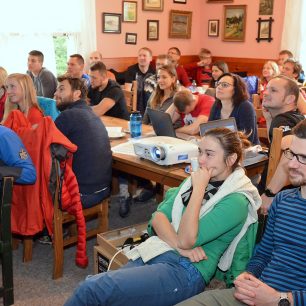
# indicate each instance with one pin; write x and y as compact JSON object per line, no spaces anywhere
{"x":164,"y":280}
{"x":90,"y":200}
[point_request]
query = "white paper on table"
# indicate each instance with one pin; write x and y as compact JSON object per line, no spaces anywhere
{"x":125,"y":148}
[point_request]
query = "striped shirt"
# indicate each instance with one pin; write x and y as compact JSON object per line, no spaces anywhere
{"x":280,"y":260}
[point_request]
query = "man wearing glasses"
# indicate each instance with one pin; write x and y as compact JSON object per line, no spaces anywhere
{"x":280,"y":110}
{"x":276,"y":273}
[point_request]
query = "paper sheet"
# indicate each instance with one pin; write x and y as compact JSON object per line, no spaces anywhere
{"x":125,"y":148}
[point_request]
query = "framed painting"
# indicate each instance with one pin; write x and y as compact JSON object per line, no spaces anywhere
{"x":219,"y":1}
{"x":180,"y":24}
{"x":129,"y":11}
{"x":266,"y":7}
{"x":264,"y":29}
{"x":152,"y":5}
{"x":152,"y":29}
{"x":180,"y":1}
{"x":131,"y":38}
{"x":111,"y":23}
{"x":234,"y":22}
{"x":213,"y":27}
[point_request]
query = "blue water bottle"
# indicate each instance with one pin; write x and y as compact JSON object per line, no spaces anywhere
{"x":135,"y":124}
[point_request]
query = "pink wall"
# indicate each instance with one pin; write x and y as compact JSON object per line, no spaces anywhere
{"x":249,"y":48}
{"x":113,"y":45}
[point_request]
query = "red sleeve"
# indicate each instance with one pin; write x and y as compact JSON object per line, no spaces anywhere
{"x":182,"y":76}
{"x":204,"y":105}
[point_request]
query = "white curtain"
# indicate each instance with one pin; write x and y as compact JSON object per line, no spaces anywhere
{"x":294,"y":32}
{"x":31,"y":24}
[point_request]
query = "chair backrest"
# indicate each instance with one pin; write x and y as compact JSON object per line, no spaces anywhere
{"x":131,"y":97}
{"x":48,"y":107}
{"x":275,"y":153}
{"x":256,"y":101}
{"x":6,"y":192}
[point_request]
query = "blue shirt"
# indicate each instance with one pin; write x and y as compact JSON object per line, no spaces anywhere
{"x":14,"y":154}
{"x":244,"y":115}
{"x":280,"y":258}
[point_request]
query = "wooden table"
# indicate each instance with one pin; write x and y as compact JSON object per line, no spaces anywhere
{"x":171,"y":176}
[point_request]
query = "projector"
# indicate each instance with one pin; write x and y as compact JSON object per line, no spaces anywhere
{"x":166,"y":151}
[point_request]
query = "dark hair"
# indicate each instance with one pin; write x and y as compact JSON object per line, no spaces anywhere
{"x":292,"y":88}
{"x":98,"y":66}
{"x":158,"y":93}
{"x":162,"y":56}
{"x":300,"y":129}
{"x":231,"y":142}
{"x":146,"y":49}
{"x":241,"y":93}
{"x":176,"y":49}
{"x":37,"y":53}
{"x":75,"y":83}
{"x":182,"y":99}
{"x":297,"y":67}
{"x":79,"y":57}
{"x":289,"y":53}
{"x":223,"y":67}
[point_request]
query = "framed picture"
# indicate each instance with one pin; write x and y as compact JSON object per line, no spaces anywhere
{"x":111,"y":23}
{"x":152,"y":29}
{"x":180,"y":24}
{"x":131,"y":38}
{"x":266,"y":7}
{"x":129,"y":11}
{"x":152,"y":5}
{"x":219,"y":1}
{"x":180,"y":1}
{"x":234,"y":22}
{"x":213,"y":27}
{"x":264,"y":29}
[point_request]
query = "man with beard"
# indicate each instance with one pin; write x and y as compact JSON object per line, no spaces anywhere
{"x":105,"y":95}
{"x":92,"y":162}
{"x":276,"y":273}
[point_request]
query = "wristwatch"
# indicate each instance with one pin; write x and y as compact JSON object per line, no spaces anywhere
{"x":269,"y":193}
{"x":283,"y":300}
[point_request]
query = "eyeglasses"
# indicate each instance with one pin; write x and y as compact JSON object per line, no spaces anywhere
{"x":300,"y":158}
{"x":223,"y":84}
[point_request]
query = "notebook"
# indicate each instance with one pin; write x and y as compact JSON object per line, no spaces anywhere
{"x":229,"y":123}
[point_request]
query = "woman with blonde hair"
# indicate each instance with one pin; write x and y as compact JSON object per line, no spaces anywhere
{"x":162,"y":96}
{"x":22,"y":96}
{"x":269,"y":71}
{"x":3,"y":94}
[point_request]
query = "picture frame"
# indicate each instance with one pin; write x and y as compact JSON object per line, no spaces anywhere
{"x":219,"y":1}
{"x":180,"y":23}
{"x":213,"y":27}
{"x":234,"y":23}
{"x":180,"y":1}
{"x":111,"y":23}
{"x":153,"y":5}
{"x":131,"y":38}
{"x":129,"y":11}
{"x":264,"y":29}
{"x":152,"y":29}
{"x":266,"y":7}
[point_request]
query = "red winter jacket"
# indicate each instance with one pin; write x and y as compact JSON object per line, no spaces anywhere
{"x":32,"y":205}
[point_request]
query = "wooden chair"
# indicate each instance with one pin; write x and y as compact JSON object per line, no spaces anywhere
{"x":274,"y":157}
{"x":59,"y":219}
{"x":131,"y":97}
{"x":7,"y":289}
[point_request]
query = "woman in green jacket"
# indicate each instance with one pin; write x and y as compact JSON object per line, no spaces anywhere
{"x":207,"y":223}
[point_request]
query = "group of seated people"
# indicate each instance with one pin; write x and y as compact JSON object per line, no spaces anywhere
{"x":205,"y":228}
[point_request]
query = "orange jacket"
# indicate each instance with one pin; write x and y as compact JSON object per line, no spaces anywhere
{"x":32,"y":205}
